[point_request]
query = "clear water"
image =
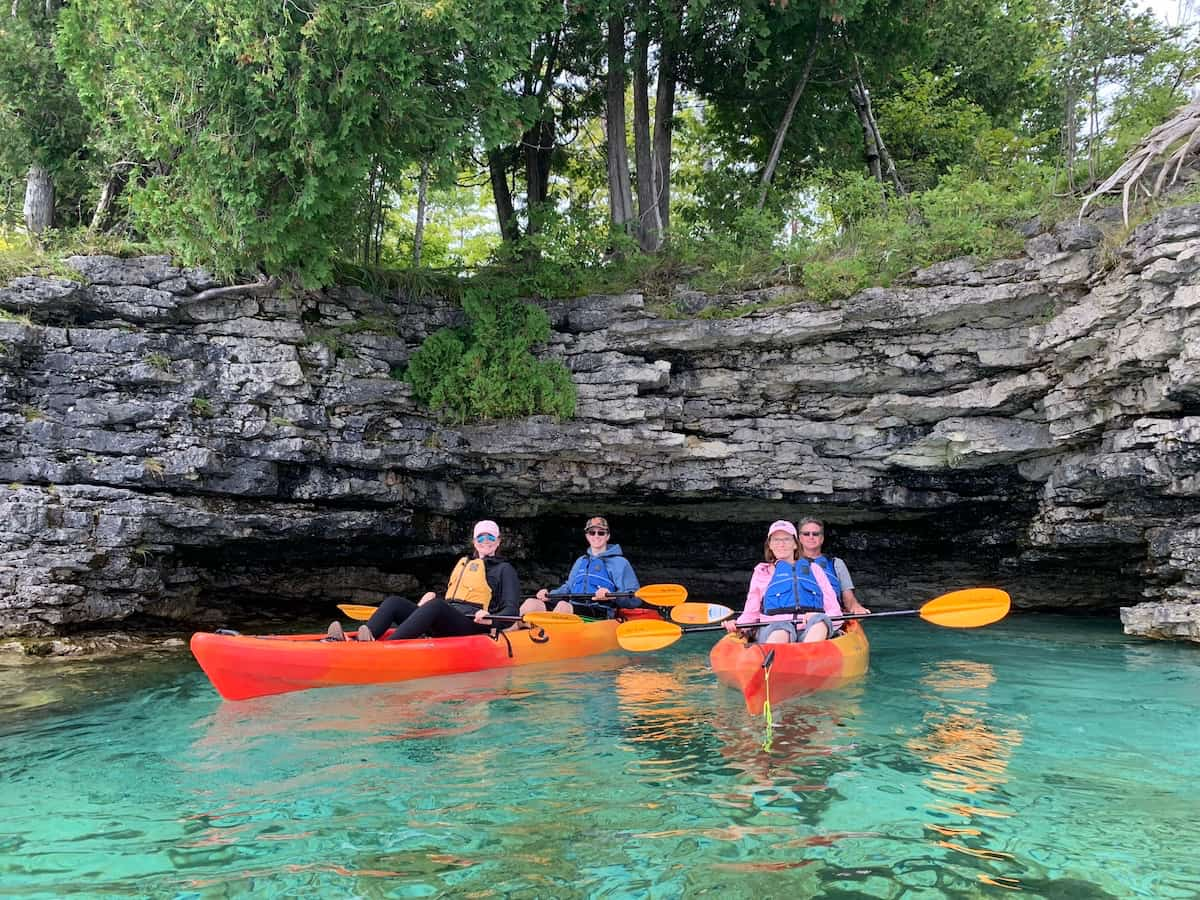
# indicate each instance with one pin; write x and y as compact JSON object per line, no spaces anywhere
{"x":1044,"y":755}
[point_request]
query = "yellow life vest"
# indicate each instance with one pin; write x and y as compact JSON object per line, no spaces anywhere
{"x":468,"y":583}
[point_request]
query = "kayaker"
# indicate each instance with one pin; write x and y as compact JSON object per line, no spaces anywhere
{"x":481,"y":583}
{"x":812,"y":537}
{"x":793,"y":594}
{"x":601,"y":571}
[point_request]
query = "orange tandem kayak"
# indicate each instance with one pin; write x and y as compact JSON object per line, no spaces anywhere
{"x":797,"y":668}
{"x":241,"y":667}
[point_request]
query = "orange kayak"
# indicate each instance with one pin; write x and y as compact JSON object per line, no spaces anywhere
{"x":241,"y":667}
{"x":797,"y":668}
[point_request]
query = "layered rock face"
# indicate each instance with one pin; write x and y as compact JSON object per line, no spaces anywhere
{"x":1033,"y":424}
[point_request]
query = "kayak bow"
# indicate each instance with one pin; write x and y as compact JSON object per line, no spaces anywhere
{"x":797,"y":668}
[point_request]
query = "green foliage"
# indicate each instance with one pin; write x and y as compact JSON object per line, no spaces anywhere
{"x":20,"y":256}
{"x":265,"y":122}
{"x":1155,"y":89}
{"x":928,"y":129}
{"x":961,"y":215}
{"x":486,"y":370}
{"x":400,"y":282}
{"x":41,"y":121}
{"x":202,"y":407}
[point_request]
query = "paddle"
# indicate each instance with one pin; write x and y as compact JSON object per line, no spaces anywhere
{"x":971,"y":608}
{"x":700,"y":613}
{"x":652,"y":594}
{"x":540,"y":619}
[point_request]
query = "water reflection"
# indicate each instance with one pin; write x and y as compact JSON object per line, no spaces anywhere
{"x":969,"y":756}
{"x":728,"y":795}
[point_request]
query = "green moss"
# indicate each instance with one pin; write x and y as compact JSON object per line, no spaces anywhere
{"x":202,"y":407}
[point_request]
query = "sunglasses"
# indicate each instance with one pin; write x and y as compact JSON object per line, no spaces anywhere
{"x":486,"y":539}
{"x":810,"y":533}
{"x":597,"y":532}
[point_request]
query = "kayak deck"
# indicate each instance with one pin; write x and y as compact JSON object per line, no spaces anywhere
{"x":241,"y":667}
{"x":797,"y":668}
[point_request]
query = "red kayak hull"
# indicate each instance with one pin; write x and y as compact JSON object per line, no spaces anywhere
{"x":242,"y":667}
{"x":797,"y":668}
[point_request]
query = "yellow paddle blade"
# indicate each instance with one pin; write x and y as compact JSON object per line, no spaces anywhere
{"x":357,"y":612}
{"x":553,"y":619}
{"x":700,"y":613}
{"x":641,"y":635}
{"x":970,"y":608}
{"x":662,"y":594}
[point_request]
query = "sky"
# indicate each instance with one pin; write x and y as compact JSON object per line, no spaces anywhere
{"x":1170,"y":11}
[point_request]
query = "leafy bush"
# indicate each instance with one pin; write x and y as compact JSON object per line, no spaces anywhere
{"x":486,"y":370}
{"x":961,"y":215}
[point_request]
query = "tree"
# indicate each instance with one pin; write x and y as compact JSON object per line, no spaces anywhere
{"x":620,"y":191}
{"x":1101,"y":41}
{"x":264,"y":123}
{"x":43,"y":133}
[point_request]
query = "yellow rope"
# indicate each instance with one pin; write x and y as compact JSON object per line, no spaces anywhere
{"x":767,"y":718}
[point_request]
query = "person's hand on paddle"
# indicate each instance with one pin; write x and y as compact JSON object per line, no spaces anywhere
{"x":543,"y":595}
{"x":482,"y":618}
{"x":857,"y":609}
{"x":730,"y":625}
{"x":600,"y":594}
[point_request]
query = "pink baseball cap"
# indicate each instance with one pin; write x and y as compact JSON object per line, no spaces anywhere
{"x":487,"y":526}
{"x":781,"y":525}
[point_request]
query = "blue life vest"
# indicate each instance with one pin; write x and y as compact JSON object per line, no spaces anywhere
{"x":827,"y":566}
{"x":794,"y":589}
{"x":592,"y":577}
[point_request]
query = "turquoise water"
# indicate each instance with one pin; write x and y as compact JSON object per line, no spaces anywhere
{"x":1043,"y":756}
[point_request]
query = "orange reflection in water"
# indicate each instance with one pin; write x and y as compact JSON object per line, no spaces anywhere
{"x":969,"y":759}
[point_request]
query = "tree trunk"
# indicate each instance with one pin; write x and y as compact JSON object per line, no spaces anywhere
{"x":879,"y":161}
{"x":664,"y":111}
{"x":786,"y":121}
{"x":118,"y":177}
{"x":649,"y":227}
{"x":506,"y":216}
{"x":620,"y":192}
{"x":372,"y":233}
{"x":1070,"y":100}
{"x":422,"y":199}
{"x":39,"y":200}
{"x":538,"y":143}
{"x":1094,"y":127}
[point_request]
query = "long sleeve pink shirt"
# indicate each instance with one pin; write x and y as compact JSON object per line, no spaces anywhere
{"x":758,"y":586}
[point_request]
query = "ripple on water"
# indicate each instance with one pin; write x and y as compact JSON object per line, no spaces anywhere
{"x":1047,"y":757}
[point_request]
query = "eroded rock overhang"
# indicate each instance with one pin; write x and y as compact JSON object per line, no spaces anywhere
{"x":1033,"y":424}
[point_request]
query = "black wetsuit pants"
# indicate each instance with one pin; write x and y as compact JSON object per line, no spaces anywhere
{"x":437,"y":618}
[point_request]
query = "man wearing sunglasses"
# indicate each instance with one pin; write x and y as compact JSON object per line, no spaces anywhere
{"x":601,"y":571}
{"x":812,"y":537}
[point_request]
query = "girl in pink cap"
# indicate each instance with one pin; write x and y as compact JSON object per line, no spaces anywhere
{"x":482,"y":584}
{"x":789,"y":592}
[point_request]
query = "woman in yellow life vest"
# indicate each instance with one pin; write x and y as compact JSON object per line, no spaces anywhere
{"x":481,"y":583}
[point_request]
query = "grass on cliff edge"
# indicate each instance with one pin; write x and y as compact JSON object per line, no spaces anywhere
{"x":21,"y":256}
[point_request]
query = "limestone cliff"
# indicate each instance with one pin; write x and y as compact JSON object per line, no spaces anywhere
{"x":1033,"y":423}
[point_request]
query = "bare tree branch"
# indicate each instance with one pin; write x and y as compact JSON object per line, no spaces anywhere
{"x":1183,"y":126}
{"x":262,"y":286}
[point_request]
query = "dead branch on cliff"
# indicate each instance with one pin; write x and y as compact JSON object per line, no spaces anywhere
{"x":1183,"y":126}
{"x":261,"y":286}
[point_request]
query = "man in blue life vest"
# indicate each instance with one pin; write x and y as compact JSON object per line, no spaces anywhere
{"x":602,"y":571}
